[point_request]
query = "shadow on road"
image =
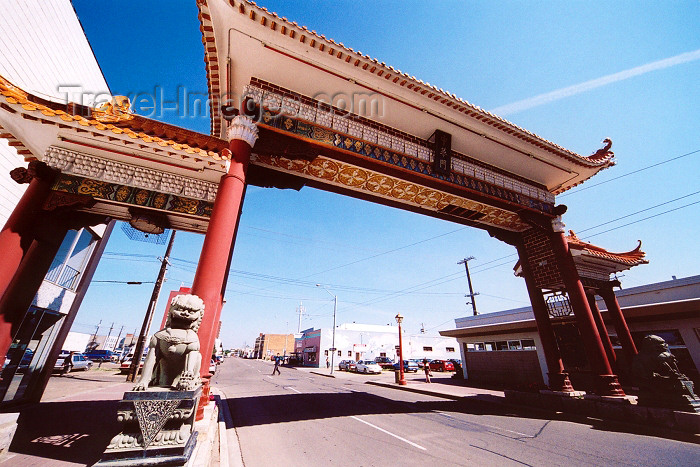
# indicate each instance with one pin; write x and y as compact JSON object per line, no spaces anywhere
{"x":261,"y":410}
{"x":69,"y":431}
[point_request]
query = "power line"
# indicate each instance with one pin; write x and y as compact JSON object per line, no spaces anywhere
{"x":630,"y":173}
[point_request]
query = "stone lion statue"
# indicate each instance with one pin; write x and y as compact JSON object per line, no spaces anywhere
{"x":660,"y":381}
{"x":173,"y":360}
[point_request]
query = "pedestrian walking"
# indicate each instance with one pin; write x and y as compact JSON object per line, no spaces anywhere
{"x":426,"y":368}
{"x":67,"y":364}
{"x":328,"y":364}
{"x":277,"y":366}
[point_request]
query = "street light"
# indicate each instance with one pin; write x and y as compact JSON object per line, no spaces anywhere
{"x":335,"y":308}
{"x":402,"y":379}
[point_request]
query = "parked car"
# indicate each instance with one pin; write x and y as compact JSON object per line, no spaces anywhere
{"x":408,"y":366}
{"x":418,"y":361}
{"x":212,"y":366}
{"x":78,"y":360}
{"x":99,"y":355}
{"x":385,"y":362}
{"x":441,"y":365}
{"x":347,"y":365}
{"x":368,"y":366}
{"x":126,"y":364}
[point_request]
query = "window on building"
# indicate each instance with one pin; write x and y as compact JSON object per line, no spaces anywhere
{"x":528,"y":344}
{"x":340,"y":353}
{"x":514,"y":345}
{"x":490,"y":346}
{"x":501,"y":345}
{"x":382,"y":354}
{"x":449,"y":349}
{"x":349,"y":353}
{"x":479,"y":346}
{"x":469,"y":347}
{"x":427,"y":349}
{"x":70,"y":261}
{"x":325,"y":352}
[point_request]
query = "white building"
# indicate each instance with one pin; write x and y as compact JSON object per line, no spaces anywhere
{"x":43,"y":50}
{"x":368,"y":341}
{"x":504,"y":347}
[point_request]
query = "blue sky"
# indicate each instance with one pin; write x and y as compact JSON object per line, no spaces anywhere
{"x":572,"y":72}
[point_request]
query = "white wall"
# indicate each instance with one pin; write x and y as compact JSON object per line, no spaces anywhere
{"x":42,"y":47}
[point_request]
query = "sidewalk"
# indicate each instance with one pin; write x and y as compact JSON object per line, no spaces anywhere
{"x":76,"y":419}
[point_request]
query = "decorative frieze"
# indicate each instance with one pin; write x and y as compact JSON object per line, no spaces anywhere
{"x":278,"y":102}
{"x":120,"y":173}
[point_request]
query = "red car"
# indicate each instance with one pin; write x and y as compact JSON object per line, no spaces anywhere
{"x":442,"y":365}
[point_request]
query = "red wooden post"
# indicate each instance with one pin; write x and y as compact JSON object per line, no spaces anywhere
{"x":602,"y":330}
{"x":16,"y":235}
{"x":623,"y":331}
{"x":16,"y":240}
{"x":212,"y":270}
{"x":607,"y":383}
{"x":558,"y":378}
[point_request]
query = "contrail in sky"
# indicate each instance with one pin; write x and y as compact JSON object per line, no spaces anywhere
{"x":548,"y":97}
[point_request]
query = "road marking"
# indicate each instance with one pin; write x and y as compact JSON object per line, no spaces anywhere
{"x":488,"y":426}
{"x":268,"y":376}
{"x":390,"y":433}
{"x":289,"y":387}
{"x":347,"y":389}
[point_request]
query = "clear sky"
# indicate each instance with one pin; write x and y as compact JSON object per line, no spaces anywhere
{"x":572,"y":72}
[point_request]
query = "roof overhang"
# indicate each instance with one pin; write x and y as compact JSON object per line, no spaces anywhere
{"x":244,"y":41}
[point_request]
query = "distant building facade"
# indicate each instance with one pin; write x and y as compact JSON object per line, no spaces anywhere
{"x":270,"y":345}
{"x":367,"y":342}
{"x":504,"y":347}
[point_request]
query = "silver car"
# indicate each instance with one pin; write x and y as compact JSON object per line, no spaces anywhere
{"x":78,"y":360}
{"x":368,"y":366}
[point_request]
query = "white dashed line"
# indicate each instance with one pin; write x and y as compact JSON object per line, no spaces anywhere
{"x":390,"y":433}
{"x":289,"y":387}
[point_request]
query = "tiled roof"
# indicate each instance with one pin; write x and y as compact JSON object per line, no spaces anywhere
{"x":293,"y":31}
{"x":118,"y":121}
{"x":631,"y":258}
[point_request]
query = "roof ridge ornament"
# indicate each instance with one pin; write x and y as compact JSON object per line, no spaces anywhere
{"x":242,"y":128}
{"x":117,"y":109}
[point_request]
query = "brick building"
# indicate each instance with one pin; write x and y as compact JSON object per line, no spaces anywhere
{"x":269,"y":345}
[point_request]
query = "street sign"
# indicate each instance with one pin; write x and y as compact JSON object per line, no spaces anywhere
{"x":397,"y":347}
{"x":332,"y":349}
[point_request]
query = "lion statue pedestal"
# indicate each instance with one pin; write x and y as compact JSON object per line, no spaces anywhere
{"x":158,"y":414}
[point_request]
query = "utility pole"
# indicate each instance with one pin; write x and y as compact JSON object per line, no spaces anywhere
{"x":108,"y":335}
{"x":471,"y":295}
{"x":118,"y":336}
{"x":141,"y":343}
{"x":300,"y":311}
{"x":93,"y":341}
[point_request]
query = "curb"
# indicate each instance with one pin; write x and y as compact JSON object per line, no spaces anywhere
{"x":428,"y":392}
{"x":321,"y":374}
{"x":229,"y":446}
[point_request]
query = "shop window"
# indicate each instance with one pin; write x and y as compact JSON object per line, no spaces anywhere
{"x":490,"y":346}
{"x":501,"y":345}
{"x":427,"y":349}
{"x":349,"y":353}
{"x":469,"y":347}
{"x":479,"y":346}
{"x":449,"y":349}
{"x":514,"y":345}
{"x":340,"y":353}
{"x":528,"y":344}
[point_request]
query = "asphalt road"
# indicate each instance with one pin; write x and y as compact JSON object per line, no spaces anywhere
{"x":298,"y":418}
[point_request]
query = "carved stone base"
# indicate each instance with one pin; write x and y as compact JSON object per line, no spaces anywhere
{"x":559,"y":382}
{"x":608,"y":385}
{"x":158,"y":429}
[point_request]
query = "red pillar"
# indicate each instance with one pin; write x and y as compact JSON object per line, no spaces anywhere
{"x":27,"y":280}
{"x":607,"y":383}
{"x":602,"y":330}
{"x":623,"y":331}
{"x":558,"y":378}
{"x":16,"y":236}
{"x":212,"y":270}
